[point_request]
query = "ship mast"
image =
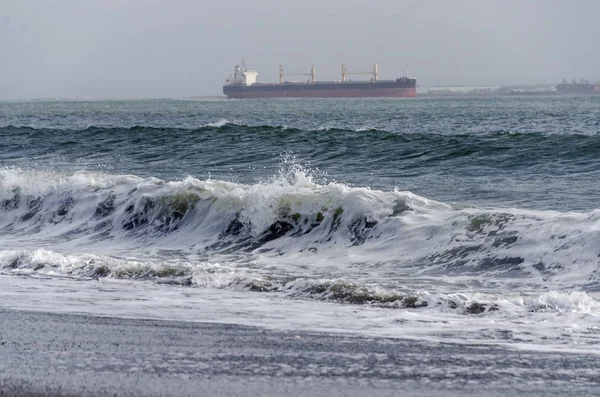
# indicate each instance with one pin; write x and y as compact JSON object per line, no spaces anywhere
{"x":312,"y":74}
{"x":374,"y":72}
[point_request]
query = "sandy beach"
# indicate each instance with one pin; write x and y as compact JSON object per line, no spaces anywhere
{"x":70,"y":354}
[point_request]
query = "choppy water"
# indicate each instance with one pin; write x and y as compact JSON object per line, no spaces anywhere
{"x":463,"y":219}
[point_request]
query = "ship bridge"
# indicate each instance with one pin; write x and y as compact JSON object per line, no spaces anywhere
{"x":242,"y":75}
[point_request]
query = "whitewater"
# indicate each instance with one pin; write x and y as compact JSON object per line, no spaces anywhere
{"x":452,"y":220}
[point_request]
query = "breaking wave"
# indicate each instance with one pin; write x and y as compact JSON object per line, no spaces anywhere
{"x":287,"y":228}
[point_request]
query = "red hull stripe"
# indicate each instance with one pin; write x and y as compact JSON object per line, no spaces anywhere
{"x":377,"y":93}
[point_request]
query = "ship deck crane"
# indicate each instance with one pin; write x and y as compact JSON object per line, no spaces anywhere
{"x":312,"y":74}
{"x":374,"y":72}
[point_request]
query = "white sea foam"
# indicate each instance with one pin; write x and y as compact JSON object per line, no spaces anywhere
{"x":219,"y":123}
{"x":368,"y":236}
{"x":571,"y":330}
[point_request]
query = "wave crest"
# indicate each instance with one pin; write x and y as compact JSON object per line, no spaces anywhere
{"x":295,"y":217}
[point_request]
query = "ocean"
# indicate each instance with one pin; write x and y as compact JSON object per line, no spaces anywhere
{"x":459,"y":220}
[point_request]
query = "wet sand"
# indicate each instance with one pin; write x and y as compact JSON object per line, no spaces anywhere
{"x":45,"y":354}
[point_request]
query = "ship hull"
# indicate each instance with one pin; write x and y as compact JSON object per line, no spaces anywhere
{"x":404,"y":88}
{"x":377,"y":93}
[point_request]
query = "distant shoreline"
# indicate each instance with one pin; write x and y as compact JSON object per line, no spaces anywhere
{"x":453,"y":94}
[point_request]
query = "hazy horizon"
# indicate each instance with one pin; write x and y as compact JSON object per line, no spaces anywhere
{"x":147,"y":49}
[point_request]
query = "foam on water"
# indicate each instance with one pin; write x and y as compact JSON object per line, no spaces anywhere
{"x":295,"y":217}
{"x":288,"y":228}
{"x":554,"y":330}
{"x":220,"y":123}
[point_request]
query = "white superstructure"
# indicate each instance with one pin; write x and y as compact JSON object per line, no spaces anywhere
{"x":242,"y":75}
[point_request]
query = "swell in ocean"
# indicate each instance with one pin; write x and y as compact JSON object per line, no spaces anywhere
{"x":409,"y":149}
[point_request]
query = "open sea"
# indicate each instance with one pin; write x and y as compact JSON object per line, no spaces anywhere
{"x":467,"y":220}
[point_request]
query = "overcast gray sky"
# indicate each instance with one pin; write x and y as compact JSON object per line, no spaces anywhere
{"x":175,"y":48}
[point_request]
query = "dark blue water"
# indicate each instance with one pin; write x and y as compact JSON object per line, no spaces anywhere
{"x":535,"y":153}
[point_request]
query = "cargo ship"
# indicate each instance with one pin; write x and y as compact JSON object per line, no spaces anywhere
{"x":243,"y":84}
